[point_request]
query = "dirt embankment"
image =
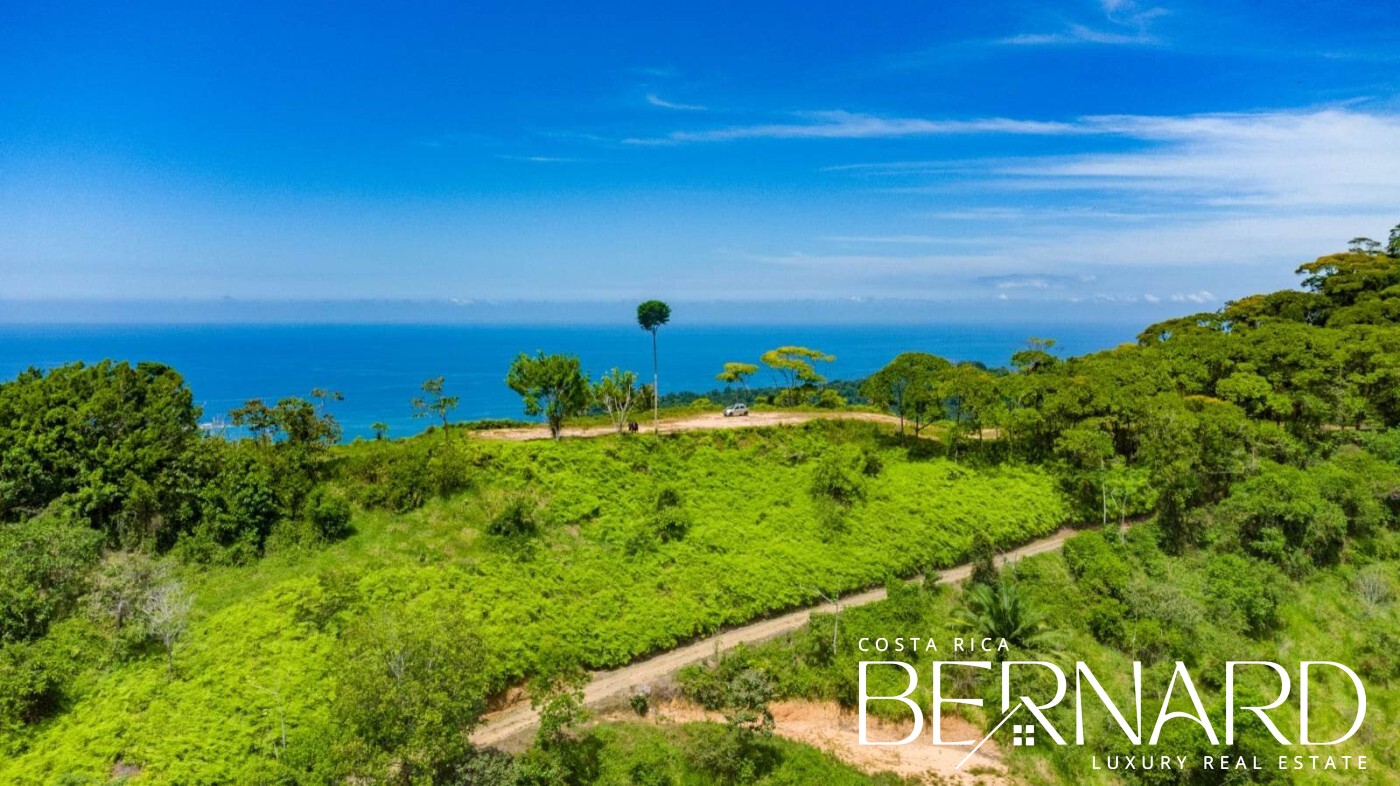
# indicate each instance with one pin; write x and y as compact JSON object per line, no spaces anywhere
{"x":829,"y":728}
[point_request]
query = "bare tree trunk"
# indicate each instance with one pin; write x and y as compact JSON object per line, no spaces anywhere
{"x":655,"y":388}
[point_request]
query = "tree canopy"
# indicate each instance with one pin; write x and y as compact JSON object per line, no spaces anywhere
{"x":551,"y":385}
{"x":795,"y":366}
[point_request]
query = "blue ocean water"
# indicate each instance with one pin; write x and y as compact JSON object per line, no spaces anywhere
{"x":380,"y":367}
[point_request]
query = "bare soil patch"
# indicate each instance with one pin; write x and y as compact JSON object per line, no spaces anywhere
{"x":829,"y":728}
{"x":697,"y":422}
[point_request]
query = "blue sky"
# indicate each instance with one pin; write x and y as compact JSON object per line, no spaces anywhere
{"x":1065,"y":157}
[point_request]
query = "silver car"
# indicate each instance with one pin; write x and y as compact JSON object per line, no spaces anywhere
{"x":736,"y":410}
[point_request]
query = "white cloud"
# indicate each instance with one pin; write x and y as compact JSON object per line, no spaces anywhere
{"x":1129,"y":25}
{"x":656,"y":100}
{"x":1321,"y":159}
{"x":898,"y":239}
{"x":838,"y":124}
{"x":1079,"y":34}
{"x":1317,"y":158}
{"x":1178,"y":207}
{"x":541,"y":159}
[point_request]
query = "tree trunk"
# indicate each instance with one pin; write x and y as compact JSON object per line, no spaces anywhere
{"x":655,"y":388}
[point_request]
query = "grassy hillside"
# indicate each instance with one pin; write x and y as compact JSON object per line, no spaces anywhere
{"x":609,"y":549}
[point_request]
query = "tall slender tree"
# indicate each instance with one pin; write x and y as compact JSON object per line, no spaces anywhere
{"x":651,"y":315}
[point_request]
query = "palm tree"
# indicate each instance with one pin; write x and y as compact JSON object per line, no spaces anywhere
{"x":1003,"y":611}
{"x":651,"y":315}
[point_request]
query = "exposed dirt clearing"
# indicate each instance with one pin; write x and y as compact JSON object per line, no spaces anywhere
{"x":513,"y":724}
{"x":829,"y":728}
{"x":700,"y":422}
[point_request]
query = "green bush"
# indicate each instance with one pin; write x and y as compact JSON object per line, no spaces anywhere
{"x":328,"y":513}
{"x":31,"y":684}
{"x":44,"y":562}
{"x":411,"y":682}
{"x":839,"y":476}
{"x":517,"y":518}
{"x":1244,"y":593}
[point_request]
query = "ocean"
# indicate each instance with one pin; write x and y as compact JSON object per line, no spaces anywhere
{"x":379,"y":367}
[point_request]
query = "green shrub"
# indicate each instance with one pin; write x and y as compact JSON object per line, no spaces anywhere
{"x":1245,"y":593}
{"x":517,"y":518}
{"x":839,"y":476}
{"x":328,"y":513}
{"x":670,"y":524}
{"x":31,"y":684}
{"x":1098,"y":564}
{"x":411,"y":682}
{"x":44,"y":563}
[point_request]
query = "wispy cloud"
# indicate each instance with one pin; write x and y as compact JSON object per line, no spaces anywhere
{"x":903,"y":240}
{"x":839,"y":124}
{"x":1029,"y":281}
{"x":1079,"y":34}
{"x":1124,"y":23}
{"x":656,"y":100}
{"x":1328,"y":158}
{"x":541,"y":159}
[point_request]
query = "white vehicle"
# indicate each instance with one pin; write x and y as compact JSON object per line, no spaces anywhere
{"x":736,"y":410}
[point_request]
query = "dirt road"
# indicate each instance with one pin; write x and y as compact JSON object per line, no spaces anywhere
{"x":697,"y":422}
{"x":514,"y":723}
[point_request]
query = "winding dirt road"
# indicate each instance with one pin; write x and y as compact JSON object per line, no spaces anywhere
{"x":511,"y":724}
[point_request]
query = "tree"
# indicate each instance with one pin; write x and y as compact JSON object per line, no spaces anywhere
{"x":324,"y":398}
{"x":98,"y":434}
{"x":906,"y":388}
{"x":166,"y":611}
{"x":651,"y":315}
{"x":411,"y":686}
{"x":738,"y":751}
{"x":552,"y":385}
{"x":1004,"y":611}
{"x":44,"y":562}
{"x":1035,"y":357}
{"x":972,"y":396}
{"x":293,"y":421}
{"x":435,"y":403}
{"x":1363,"y":245}
{"x":380,"y":429}
{"x":617,"y":393}
{"x":794,"y":366}
{"x":737,"y":374}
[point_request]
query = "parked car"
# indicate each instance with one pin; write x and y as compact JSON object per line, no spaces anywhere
{"x":736,"y":410}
